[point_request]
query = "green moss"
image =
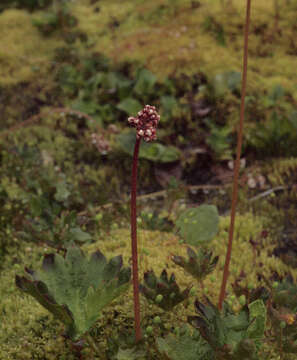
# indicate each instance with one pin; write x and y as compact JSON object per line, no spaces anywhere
{"x":24,"y":55}
{"x":144,"y":28}
{"x":29,"y":330}
{"x":140,"y":31}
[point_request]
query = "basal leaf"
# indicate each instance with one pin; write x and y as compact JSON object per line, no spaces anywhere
{"x":75,"y":289}
{"x":199,"y":225}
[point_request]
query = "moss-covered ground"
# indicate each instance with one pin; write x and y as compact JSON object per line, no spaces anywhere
{"x":65,"y":173}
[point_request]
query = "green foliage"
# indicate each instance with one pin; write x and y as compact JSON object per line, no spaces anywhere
{"x":186,"y":345}
{"x":219,"y":140}
{"x":199,"y":264}
{"x":130,"y":106}
{"x":212,"y":26}
{"x":145,"y":82}
{"x":258,"y":315}
{"x":232,"y":336}
{"x":151,"y":151}
{"x":224,"y":82}
{"x":75,"y":289}
{"x":58,"y":18}
{"x":285,"y":295}
{"x":283,"y":311}
{"x":26,"y":4}
{"x":198,"y":226}
{"x":155,"y":221}
{"x":121,"y":346}
{"x":276,"y":136}
{"x":55,"y":229}
{"x":163,"y":291}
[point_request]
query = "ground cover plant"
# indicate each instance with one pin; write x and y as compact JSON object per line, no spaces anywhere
{"x":66,"y":183}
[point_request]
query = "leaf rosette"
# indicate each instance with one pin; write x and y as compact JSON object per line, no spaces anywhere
{"x":233,"y":336}
{"x":198,"y":264}
{"x":75,"y":289}
{"x":163,"y":291}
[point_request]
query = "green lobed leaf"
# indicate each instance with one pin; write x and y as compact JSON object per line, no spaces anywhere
{"x":75,"y":289}
{"x":185,"y":346}
{"x":257,"y":318}
{"x":198,"y":265}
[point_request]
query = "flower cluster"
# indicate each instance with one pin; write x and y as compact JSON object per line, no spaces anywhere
{"x":146,"y":123}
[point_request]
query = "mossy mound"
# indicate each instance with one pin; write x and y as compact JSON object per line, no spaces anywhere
{"x":24,"y":55}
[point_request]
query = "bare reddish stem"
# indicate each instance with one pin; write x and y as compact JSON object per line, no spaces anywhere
{"x":237,"y":162}
{"x":134,"y":244}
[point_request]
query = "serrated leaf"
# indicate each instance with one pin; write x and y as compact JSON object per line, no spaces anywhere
{"x":198,"y":225}
{"x":186,"y":347}
{"x":257,"y":317}
{"x":198,"y":265}
{"x":225,"y":331}
{"x":76,"y":289}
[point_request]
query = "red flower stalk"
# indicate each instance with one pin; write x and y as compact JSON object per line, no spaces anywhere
{"x":145,"y":123}
{"x":237,"y":162}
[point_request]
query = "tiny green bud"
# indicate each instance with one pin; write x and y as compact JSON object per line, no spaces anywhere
{"x":158,"y":298}
{"x":149,"y":330}
{"x":232,"y":297}
{"x":149,"y":215}
{"x":172,"y":295}
{"x":275,"y":284}
{"x":145,"y":251}
{"x":157,"y":320}
{"x":98,"y":217}
{"x":193,"y":291}
{"x":205,"y":290}
{"x":242,"y":300}
{"x":282,"y":324}
{"x":250,"y":286}
{"x":212,"y":278}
